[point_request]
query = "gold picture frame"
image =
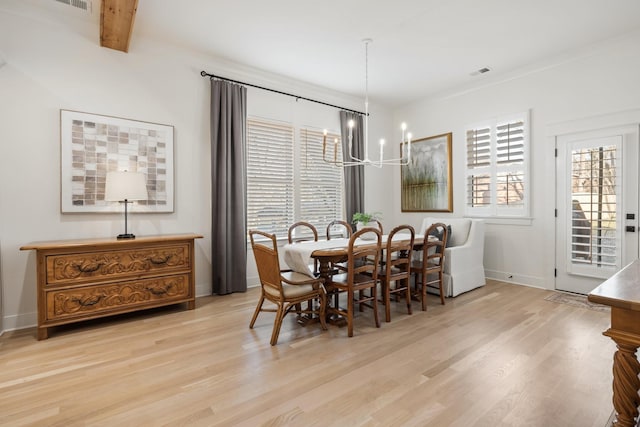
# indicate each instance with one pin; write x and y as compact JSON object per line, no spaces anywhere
{"x":427,"y":181}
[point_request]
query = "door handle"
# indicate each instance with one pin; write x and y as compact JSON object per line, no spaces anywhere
{"x":630,"y":229}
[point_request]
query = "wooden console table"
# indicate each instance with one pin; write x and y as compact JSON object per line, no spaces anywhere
{"x":622,"y":293}
{"x":86,"y":279}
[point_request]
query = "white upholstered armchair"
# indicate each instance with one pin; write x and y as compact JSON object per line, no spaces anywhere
{"x":463,"y":262}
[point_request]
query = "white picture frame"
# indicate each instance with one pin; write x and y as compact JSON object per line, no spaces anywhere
{"x":92,"y":145}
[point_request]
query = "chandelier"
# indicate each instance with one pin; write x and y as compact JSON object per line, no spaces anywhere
{"x":353,"y":160}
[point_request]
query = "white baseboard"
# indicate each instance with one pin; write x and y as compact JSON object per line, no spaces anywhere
{"x":518,"y":279}
{"x":20,"y":321}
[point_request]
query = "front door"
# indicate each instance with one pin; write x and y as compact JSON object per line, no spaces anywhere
{"x":597,"y":206}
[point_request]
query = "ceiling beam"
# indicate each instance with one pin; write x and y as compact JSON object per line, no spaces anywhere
{"x":116,"y":23}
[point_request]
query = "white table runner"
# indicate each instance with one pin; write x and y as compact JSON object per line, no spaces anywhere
{"x":298,"y":255}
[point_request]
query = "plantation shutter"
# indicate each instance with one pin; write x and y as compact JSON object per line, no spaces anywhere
{"x":510,"y":153}
{"x":270,"y":185}
{"x":321,"y":184}
{"x":478,"y":147}
{"x":497,"y":168}
{"x":478,"y":163}
{"x":595,"y":186}
{"x":510,"y":142}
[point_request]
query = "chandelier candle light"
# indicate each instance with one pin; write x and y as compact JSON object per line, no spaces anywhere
{"x":355,"y":161}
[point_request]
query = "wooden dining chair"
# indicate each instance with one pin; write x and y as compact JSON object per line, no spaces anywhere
{"x":343,"y":226}
{"x":284,"y":288}
{"x":431,"y":267}
{"x":345,"y":232}
{"x":302,"y":231}
{"x":396,"y":267}
{"x":361,"y":276}
{"x":379,"y":225}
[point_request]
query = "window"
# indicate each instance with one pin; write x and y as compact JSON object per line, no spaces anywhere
{"x":321,"y":185}
{"x":497,"y":168}
{"x":275,"y":199}
{"x":269,"y":176}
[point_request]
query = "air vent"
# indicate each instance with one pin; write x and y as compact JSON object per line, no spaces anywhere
{"x":480,"y":71}
{"x":80,"y":4}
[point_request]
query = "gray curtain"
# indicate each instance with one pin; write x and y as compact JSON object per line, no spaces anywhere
{"x":228,"y":187}
{"x":353,"y":175}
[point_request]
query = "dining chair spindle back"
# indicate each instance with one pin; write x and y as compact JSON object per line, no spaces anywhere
{"x":431,"y":267}
{"x":302,"y":231}
{"x":343,"y":227}
{"x":363,"y":260}
{"x":396,"y":267}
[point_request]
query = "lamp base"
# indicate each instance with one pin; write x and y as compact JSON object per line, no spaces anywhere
{"x":126,"y":236}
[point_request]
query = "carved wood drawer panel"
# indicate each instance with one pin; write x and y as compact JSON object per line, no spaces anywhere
{"x":105,"y":265}
{"x":83,"y":301}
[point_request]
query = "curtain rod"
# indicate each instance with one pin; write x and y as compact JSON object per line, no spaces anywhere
{"x":211,"y":76}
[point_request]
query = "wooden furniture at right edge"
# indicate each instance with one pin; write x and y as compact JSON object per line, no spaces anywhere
{"x":622,"y":293}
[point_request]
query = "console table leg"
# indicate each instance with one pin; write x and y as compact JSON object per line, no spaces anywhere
{"x":625,"y":384}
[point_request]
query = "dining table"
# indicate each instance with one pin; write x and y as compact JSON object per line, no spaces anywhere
{"x":299,"y":256}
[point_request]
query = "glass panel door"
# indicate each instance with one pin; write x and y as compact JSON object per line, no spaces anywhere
{"x":597,"y":181}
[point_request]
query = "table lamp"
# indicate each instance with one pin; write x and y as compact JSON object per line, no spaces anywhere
{"x":125,"y":187}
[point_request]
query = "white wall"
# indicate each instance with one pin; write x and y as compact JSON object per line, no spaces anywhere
{"x":50,"y":67}
{"x":598,"y":80}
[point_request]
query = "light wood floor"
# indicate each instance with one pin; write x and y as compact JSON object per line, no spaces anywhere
{"x":496,"y":356}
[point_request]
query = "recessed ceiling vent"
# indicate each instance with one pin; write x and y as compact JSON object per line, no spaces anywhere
{"x":480,"y":71}
{"x":80,"y":4}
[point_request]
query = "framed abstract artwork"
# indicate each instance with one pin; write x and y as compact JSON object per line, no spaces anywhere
{"x":427,"y":184}
{"x":92,"y":145}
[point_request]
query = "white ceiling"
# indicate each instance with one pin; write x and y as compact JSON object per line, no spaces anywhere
{"x":420,"y":47}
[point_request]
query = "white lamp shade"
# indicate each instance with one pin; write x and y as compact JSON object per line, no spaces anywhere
{"x":125,"y":186}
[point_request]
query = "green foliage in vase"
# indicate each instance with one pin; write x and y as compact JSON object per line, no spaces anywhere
{"x":365,"y":217}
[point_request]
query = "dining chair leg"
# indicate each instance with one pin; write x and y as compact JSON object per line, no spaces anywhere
{"x":310,"y":306}
{"x":423,"y":292}
{"x":350,"y":308}
{"x":255,"y":313}
{"x":441,"y":288}
{"x":407,"y":294}
{"x":277,"y":323}
{"x":374,"y":293}
{"x":386,"y":290}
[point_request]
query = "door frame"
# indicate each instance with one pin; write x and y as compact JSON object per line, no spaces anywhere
{"x":621,"y":119}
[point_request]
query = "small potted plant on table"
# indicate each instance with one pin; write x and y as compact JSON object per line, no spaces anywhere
{"x":363,"y":219}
